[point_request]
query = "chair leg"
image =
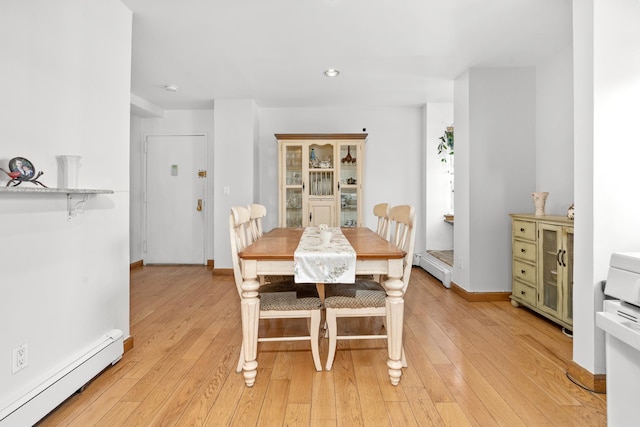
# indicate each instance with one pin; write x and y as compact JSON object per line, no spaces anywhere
{"x":315,"y":334}
{"x":240,"y":359}
{"x":332,"y":330}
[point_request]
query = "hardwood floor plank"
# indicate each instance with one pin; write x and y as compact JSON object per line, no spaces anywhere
{"x":348,"y":408}
{"x":452,"y":415}
{"x":297,"y":415}
{"x":401,"y":414}
{"x":222,"y":368}
{"x":154,"y":400}
{"x":371,"y":401}
{"x":323,"y":397}
{"x":424,"y":410}
{"x":99,"y":408}
{"x":477,"y":364}
{"x":275,"y":404}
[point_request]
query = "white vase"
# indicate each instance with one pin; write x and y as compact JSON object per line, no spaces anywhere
{"x":69,"y":166}
{"x":539,"y":200}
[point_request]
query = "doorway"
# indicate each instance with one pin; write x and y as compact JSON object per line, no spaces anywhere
{"x":174,"y":201}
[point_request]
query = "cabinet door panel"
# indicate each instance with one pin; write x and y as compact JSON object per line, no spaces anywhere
{"x":550,"y":251}
{"x":567,"y":263}
{"x":322,"y":212}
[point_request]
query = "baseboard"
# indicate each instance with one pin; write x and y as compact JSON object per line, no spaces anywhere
{"x":584,"y":378}
{"x":136,"y":264}
{"x":128,"y":344}
{"x":39,"y":399}
{"x":480,"y":296}
{"x":436,"y":268}
{"x":222,"y":271}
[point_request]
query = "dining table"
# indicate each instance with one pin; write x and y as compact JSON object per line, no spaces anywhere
{"x":273,"y":255}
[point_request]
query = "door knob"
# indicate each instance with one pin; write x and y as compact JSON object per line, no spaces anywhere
{"x":199,"y":208}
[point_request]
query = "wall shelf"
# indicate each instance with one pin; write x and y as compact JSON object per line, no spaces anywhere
{"x":76,"y":197}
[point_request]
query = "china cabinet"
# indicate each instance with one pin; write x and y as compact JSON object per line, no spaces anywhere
{"x":320,"y":179}
{"x":542,"y":266}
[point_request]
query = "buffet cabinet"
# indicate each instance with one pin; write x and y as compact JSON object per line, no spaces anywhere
{"x":542,"y":266}
{"x":320,"y":179}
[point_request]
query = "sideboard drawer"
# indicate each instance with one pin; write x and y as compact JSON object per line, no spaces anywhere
{"x":525,"y":250}
{"x":524,"y":230}
{"x":524,"y":272}
{"x":524,"y":292}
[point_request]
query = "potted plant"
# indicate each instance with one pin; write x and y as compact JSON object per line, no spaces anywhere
{"x":445,"y":147}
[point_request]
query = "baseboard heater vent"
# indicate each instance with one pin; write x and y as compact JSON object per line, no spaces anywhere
{"x":42,"y":399}
{"x":438,"y":269}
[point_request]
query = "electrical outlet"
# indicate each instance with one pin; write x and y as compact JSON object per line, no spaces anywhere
{"x":20,"y":359}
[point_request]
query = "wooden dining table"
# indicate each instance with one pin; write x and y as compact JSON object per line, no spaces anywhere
{"x":273,"y":254}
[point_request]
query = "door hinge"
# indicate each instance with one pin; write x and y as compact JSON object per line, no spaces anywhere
{"x":202,"y":173}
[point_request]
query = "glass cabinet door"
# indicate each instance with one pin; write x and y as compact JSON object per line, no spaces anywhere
{"x":293,"y":186}
{"x":348,"y":185}
{"x":567,"y":263}
{"x":550,"y":269}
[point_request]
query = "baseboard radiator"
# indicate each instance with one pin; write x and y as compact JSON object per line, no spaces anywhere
{"x":438,"y":269}
{"x":42,"y":399}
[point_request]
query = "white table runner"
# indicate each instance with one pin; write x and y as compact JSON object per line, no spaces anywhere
{"x":315,"y":262}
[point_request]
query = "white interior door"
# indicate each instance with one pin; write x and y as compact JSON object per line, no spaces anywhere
{"x":175,"y":199}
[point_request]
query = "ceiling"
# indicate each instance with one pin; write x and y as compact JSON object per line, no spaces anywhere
{"x":389,"y":53}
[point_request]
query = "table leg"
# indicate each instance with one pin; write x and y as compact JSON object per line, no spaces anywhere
{"x":250,"y":309}
{"x":320,"y":289}
{"x":395,"y":319}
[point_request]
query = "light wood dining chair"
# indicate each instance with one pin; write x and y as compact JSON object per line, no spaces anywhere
{"x":256,"y":213}
{"x":278,"y":300}
{"x":381,"y":210}
{"x":367,"y":298}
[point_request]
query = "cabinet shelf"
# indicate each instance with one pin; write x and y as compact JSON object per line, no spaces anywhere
{"x":42,"y":190}
{"x":73,"y":206}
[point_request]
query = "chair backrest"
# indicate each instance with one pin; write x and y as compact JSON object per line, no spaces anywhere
{"x":381,"y":210}
{"x":256,"y":213}
{"x":402,"y":220}
{"x":240,"y":236}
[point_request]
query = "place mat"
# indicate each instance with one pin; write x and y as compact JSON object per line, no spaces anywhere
{"x":315,"y":262}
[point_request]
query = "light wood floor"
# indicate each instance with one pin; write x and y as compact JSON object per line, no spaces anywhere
{"x":479,"y":364}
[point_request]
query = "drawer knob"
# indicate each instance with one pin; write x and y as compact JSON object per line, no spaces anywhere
{"x":522,"y":230}
{"x":522,"y":271}
{"x":522,"y":250}
{"x":522,"y":292}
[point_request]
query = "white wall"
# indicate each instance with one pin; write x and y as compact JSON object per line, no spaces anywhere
{"x":234,"y":167}
{"x":495,"y":171}
{"x":607,"y":104}
{"x":439,"y":234}
{"x":554,"y":131}
{"x":394,"y":154}
{"x":64,"y":283}
{"x":174,"y":122}
{"x":461,"y":100}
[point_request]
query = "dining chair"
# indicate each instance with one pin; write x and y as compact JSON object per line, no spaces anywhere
{"x":256,"y":213}
{"x":381,"y":210}
{"x":367,"y":298}
{"x":278,"y":300}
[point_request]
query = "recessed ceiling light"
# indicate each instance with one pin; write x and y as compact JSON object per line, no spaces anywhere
{"x":332,"y":72}
{"x":171,"y":88}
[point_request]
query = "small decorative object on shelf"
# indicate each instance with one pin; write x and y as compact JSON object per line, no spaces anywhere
{"x":348,"y":158}
{"x":571,"y":211}
{"x":69,"y":170}
{"x":539,"y":200}
{"x":21,"y":169}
